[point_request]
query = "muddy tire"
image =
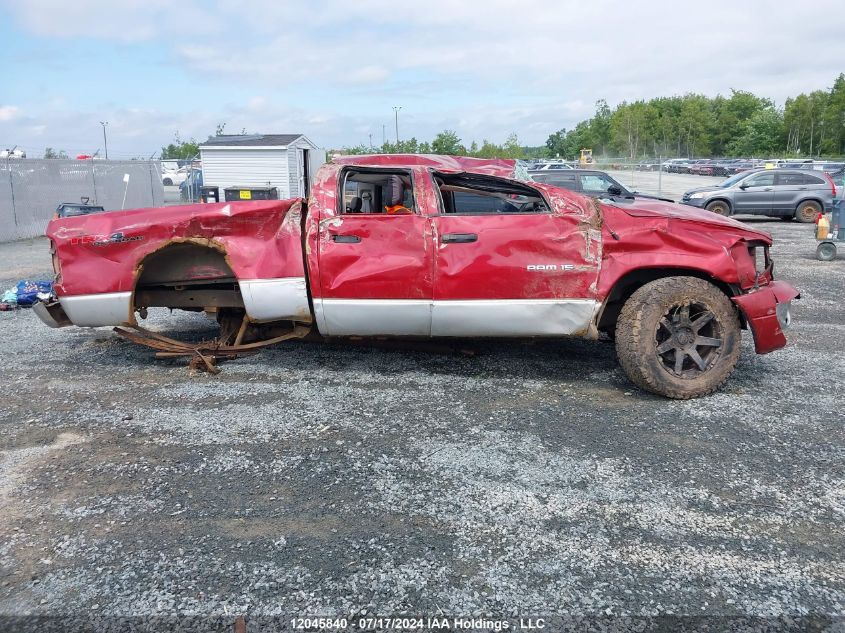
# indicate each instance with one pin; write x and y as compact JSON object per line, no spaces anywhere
{"x":719,"y":206}
{"x":678,"y":337}
{"x":807,"y":212}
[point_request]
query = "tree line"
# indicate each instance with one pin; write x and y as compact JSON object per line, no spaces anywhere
{"x":447,"y":142}
{"x":742,"y":124}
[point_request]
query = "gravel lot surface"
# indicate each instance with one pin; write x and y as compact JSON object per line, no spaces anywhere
{"x":666,"y":185}
{"x":530,"y":479}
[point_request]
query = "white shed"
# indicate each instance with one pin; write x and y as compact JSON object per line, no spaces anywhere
{"x":285,"y":161}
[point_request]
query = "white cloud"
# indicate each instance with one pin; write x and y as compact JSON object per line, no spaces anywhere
{"x":367,"y":75}
{"x":334,"y":68}
{"x":8,"y":112}
{"x":257,"y":103}
{"x":124,"y":20}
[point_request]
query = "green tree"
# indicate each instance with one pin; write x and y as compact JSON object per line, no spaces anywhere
{"x":694,"y":125}
{"x":447,"y":142}
{"x":628,"y":127}
{"x":180,"y":149}
{"x":51,"y":153}
{"x":804,"y":118}
{"x":761,"y":135}
{"x":834,"y":120}
{"x":512,"y":148}
{"x":600,"y":127}
{"x":488,"y":150}
{"x":555,"y":144}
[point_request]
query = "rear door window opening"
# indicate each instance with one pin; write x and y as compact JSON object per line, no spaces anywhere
{"x":466,"y":194}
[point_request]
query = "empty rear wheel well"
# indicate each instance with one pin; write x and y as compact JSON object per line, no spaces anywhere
{"x":187,"y":275}
{"x":629,"y":283}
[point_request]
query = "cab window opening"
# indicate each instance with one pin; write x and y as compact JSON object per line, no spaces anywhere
{"x":465,"y":194}
{"x":377,"y":193}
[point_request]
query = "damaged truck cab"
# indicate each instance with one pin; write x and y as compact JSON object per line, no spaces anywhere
{"x":438,"y":246}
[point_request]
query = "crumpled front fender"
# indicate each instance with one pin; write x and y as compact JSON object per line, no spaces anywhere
{"x":765,"y":319}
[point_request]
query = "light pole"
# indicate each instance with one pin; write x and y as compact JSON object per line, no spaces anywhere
{"x":105,"y":140}
{"x":396,"y":113}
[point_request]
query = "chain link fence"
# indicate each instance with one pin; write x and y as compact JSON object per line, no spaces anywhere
{"x":31,"y":189}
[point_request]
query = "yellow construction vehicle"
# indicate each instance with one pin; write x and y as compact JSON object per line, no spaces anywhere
{"x":586,"y":157}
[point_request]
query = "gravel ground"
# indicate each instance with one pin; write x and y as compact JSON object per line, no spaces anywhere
{"x":666,"y":185}
{"x":528,"y":480}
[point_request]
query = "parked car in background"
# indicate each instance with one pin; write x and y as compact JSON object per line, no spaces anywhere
{"x":170,"y":178}
{"x":740,"y":166}
{"x":786,"y":193}
{"x":822,"y":166}
{"x":681,"y":167}
{"x":723,"y":167}
{"x":671,"y":165}
{"x":552,"y":166}
{"x":647,"y":165}
{"x":590,"y":182}
{"x":705,"y":168}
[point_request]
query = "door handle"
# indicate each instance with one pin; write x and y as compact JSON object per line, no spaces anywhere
{"x":346,"y":239}
{"x":459,"y":238}
{"x":802,"y":188}
{"x":767,"y":189}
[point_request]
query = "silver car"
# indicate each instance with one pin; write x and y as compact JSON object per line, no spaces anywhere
{"x":786,"y":193}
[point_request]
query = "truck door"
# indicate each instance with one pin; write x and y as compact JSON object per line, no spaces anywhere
{"x":508,"y":264}
{"x":375,"y":257}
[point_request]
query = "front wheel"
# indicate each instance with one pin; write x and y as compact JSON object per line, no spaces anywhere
{"x":719,"y":206}
{"x":678,"y":337}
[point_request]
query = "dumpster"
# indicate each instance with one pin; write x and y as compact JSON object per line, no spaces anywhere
{"x":210,"y":194}
{"x":234,"y":194}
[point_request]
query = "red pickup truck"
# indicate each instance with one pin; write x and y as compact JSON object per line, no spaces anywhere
{"x":439,"y":246}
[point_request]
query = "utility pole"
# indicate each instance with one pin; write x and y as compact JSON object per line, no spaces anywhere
{"x":105,"y":140}
{"x":383,"y":134}
{"x":371,"y":141}
{"x":396,"y":113}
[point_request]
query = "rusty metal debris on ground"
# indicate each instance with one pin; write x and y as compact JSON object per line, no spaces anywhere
{"x":206,"y":354}
{"x":240,"y":624}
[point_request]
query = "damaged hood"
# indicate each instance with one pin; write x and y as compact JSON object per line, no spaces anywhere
{"x":645,"y":208}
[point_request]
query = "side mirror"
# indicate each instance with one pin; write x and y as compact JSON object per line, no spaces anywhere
{"x":613,"y":190}
{"x":744,"y":186}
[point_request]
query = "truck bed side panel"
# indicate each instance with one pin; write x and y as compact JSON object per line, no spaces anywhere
{"x":102,"y":254}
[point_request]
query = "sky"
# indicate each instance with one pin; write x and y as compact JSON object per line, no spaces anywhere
{"x":335,"y":69}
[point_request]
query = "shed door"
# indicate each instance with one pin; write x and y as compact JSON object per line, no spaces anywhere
{"x":305,"y":177}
